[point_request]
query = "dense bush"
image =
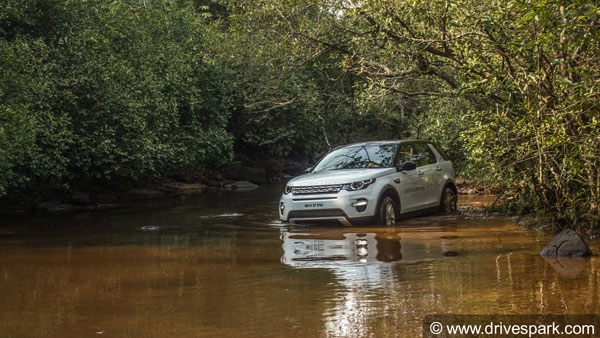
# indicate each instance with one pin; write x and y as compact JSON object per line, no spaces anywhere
{"x":103,"y":91}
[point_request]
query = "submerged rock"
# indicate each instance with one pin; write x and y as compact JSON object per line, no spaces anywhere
{"x":567,"y":243}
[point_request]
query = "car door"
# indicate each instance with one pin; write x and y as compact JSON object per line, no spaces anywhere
{"x":410,"y":184}
{"x":427,"y":169}
{"x":440,"y":168}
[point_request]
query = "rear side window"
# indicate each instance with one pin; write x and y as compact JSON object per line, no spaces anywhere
{"x":424,"y":155}
{"x":419,"y":153}
{"x":440,"y":151}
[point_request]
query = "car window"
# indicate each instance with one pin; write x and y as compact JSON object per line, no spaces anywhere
{"x":419,"y":153}
{"x":405,"y":153}
{"x":359,"y":156}
{"x":440,"y":151}
{"x":424,"y":155}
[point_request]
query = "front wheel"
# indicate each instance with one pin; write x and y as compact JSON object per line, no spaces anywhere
{"x":387,"y":212}
{"x":448,"y":201}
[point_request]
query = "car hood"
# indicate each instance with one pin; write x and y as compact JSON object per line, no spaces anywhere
{"x":341,"y":176}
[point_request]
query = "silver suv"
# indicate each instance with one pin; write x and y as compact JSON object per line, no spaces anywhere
{"x":372,"y":182}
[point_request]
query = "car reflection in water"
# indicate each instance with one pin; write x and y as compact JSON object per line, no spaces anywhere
{"x":336,"y":248}
{"x":370,"y":266}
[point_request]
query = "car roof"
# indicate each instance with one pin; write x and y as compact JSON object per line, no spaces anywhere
{"x":364,"y":143}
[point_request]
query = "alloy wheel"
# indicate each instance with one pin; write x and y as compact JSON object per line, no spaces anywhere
{"x":390,"y":214}
{"x":449,"y":200}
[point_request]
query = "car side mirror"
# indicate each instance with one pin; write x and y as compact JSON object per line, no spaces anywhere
{"x":308,"y":170}
{"x":406,"y":166}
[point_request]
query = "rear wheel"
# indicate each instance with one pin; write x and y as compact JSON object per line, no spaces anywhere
{"x":387,"y":211}
{"x":448,"y":200}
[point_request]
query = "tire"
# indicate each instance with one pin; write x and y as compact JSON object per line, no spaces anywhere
{"x":448,"y":200}
{"x":388,"y":212}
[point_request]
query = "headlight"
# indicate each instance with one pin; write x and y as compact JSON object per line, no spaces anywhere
{"x":359,"y":185}
{"x":287,"y":190}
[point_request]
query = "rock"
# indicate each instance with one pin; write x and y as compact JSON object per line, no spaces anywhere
{"x":104,"y":206}
{"x":189,"y":178}
{"x":526,"y":220}
{"x":55,"y":208}
{"x":243,"y":173}
{"x":567,"y":243}
{"x":179,"y":187}
{"x":243,"y":185}
{"x":80,"y":198}
{"x":150,"y":228}
{"x":143,"y":194}
{"x":15,"y":210}
{"x":214,"y":183}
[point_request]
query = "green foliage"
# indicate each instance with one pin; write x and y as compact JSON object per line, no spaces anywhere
{"x":116,"y":91}
{"x":543,"y":141}
{"x":291,"y":98}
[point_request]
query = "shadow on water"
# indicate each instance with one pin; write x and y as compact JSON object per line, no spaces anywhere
{"x":221,"y":265}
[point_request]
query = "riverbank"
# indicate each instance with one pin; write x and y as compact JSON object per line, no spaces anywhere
{"x":235,"y":176}
{"x":481,"y":200}
{"x":238,"y":176}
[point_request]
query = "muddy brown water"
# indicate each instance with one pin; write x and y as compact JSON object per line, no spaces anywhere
{"x":222,"y":265}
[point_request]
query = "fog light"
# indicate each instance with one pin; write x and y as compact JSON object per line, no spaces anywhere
{"x":360,"y":205}
{"x":281,"y":208}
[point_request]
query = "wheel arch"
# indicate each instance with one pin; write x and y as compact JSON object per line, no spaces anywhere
{"x":389,"y":190}
{"x":450,"y":184}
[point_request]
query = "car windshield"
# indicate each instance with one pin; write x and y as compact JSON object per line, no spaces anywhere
{"x":360,"y":156}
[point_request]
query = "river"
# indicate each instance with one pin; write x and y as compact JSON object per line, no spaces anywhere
{"x":220,"y":264}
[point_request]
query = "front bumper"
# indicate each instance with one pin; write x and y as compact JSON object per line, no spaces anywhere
{"x":343,"y":206}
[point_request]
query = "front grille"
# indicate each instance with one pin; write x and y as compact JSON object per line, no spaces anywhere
{"x":317,"y":189}
{"x":316,"y":213}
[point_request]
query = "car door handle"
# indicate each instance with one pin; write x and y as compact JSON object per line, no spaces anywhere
{"x":438,"y":169}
